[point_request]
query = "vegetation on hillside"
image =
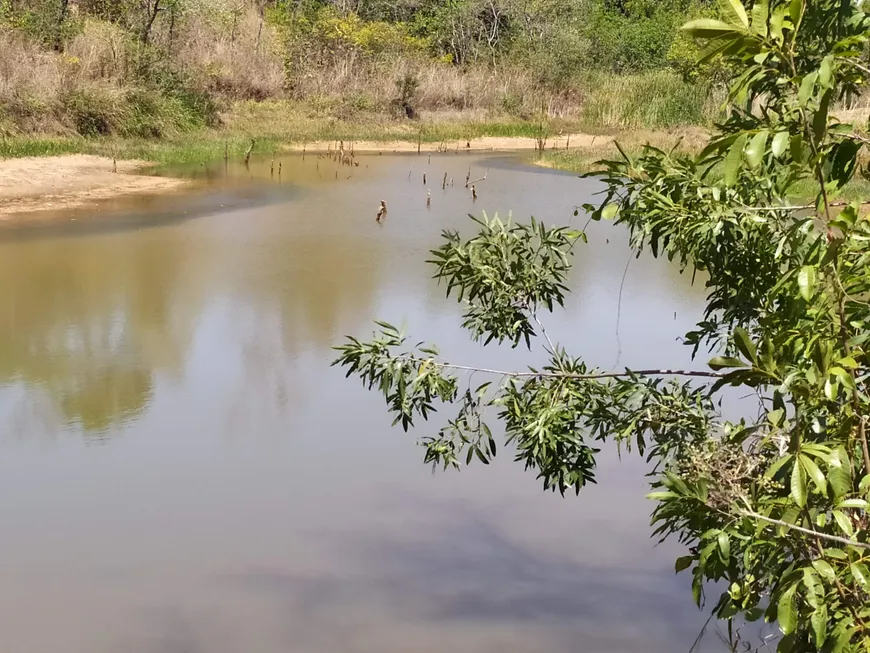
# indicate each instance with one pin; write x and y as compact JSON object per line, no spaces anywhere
{"x":771,"y":499}
{"x":151,"y":68}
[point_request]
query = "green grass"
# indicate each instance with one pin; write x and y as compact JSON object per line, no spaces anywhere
{"x":25,"y":146}
{"x":655,"y":100}
{"x":572,"y":160}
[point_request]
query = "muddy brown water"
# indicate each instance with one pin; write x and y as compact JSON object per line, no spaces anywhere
{"x":181,"y":471}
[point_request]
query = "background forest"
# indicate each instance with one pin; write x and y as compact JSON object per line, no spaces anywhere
{"x":157,"y":68}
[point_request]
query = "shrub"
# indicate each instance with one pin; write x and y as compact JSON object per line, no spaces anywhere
{"x":94,"y":112}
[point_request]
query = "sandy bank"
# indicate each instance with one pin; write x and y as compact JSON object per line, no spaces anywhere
{"x":33,"y":184}
{"x":483,"y":144}
{"x":59,"y":182}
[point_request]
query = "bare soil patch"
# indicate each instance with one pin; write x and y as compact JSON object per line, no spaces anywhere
{"x":34,"y":184}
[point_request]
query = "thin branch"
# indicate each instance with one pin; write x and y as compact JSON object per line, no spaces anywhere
{"x":619,"y":310}
{"x":565,"y":375}
{"x":796,"y":207}
{"x":858,"y":66}
{"x":543,"y":332}
{"x":806,"y":531}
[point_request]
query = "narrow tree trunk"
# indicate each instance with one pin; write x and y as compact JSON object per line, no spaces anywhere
{"x":58,"y":30}
{"x":171,"y":30}
{"x":146,"y":32}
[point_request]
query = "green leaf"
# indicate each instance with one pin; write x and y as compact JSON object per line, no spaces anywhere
{"x":735,"y":12}
{"x":813,"y":585}
{"x":775,"y":416}
{"x":786,"y":611}
{"x":824,"y":569}
{"x":794,"y":11}
{"x":708,"y":28}
{"x":819,"y":622}
{"x":843,"y":638}
{"x":831,"y":389}
{"x":724,"y":547}
{"x":776,"y":466}
{"x":861,"y":575}
{"x":796,"y":146}
{"x":744,"y":343}
{"x":844,"y":523}
{"x":799,"y":485}
{"x":825,"y":72}
{"x":848,"y":362}
{"x":779,"y":144}
{"x":820,"y":118}
{"x":683,"y":563}
{"x":806,"y":88}
{"x":842,"y":376}
{"x":756,"y":148}
{"x":807,"y":282}
{"x":731,"y":167}
{"x":839,"y":476}
{"x":760,"y":16}
{"x":659,"y":496}
{"x":609,"y":212}
{"x":722,"y":362}
{"x":814,"y":473}
{"x":858,"y":504}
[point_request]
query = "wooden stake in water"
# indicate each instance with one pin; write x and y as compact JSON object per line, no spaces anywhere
{"x":444,"y":182}
{"x":468,"y":177}
{"x":279,"y":170}
{"x":424,"y":178}
{"x":428,"y":199}
{"x":382,"y":212}
{"x":473,"y":193}
{"x":248,"y":153}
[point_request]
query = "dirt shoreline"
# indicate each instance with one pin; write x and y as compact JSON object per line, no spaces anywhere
{"x":32,"y":185}
{"x":481,"y":144}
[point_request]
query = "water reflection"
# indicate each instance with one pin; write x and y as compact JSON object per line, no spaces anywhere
{"x":89,"y":322}
{"x":258,"y":501}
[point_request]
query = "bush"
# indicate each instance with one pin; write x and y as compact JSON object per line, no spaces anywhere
{"x":627,"y":44}
{"x":94,"y":112}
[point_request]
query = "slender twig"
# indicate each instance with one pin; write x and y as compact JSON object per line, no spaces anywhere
{"x":564,"y":375}
{"x":544,"y":332}
{"x":806,"y":531}
{"x":858,"y":66}
{"x":796,"y":207}
{"x":619,"y":310}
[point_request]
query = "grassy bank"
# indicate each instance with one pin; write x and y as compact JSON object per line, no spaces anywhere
{"x":275,"y":124}
{"x":160,"y":132}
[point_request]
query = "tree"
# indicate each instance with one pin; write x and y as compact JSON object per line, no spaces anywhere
{"x":774,"y":505}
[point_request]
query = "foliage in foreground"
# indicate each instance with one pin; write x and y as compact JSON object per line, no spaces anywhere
{"x":772,"y":506}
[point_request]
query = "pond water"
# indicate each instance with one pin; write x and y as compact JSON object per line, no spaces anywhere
{"x":182,"y":471}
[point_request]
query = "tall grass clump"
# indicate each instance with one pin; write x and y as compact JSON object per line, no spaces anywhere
{"x":654,"y":100}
